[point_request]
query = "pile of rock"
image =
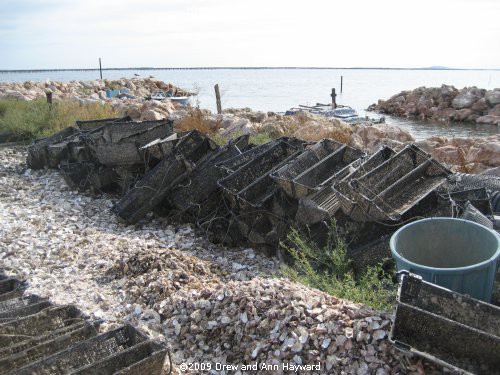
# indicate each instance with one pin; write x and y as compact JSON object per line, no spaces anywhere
{"x":91,"y":90}
{"x":130,"y":102}
{"x":444,"y":104}
{"x":469,"y":155}
{"x":478,"y":154}
{"x":271,"y":322}
{"x":310,"y":127}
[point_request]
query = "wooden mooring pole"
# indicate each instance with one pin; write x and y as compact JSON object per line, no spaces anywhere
{"x":341,"y":83}
{"x":48,"y":94}
{"x":100,"y":67}
{"x":217,"y":98}
{"x":334,"y":99}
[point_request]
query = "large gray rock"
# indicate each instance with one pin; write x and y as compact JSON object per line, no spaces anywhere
{"x":493,"y":97}
{"x":481,"y":105}
{"x":465,"y":99}
{"x":151,"y":115}
{"x":489,"y":119}
{"x":495,"y":111}
{"x":463,"y":114}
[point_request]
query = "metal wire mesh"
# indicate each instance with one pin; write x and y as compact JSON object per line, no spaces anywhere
{"x":284,"y":176}
{"x":447,"y":327}
{"x":471,"y":213}
{"x":463,"y":181}
{"x":86,"y":352}
{"x":325,"y":171}
{"x":257,"y":167}
{"x":390,"y":190}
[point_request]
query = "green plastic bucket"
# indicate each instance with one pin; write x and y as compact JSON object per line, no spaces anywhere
{"x":457,"y":254}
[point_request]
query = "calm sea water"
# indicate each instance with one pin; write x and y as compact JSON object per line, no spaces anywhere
{"x":280,"y":89}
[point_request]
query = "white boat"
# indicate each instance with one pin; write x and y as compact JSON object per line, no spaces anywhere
{"x":342,"y":112}
{"x":162,"y":95}
{"x":182,"y":100}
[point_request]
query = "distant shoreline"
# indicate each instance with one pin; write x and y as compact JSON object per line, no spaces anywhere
{"x":234,"y":68}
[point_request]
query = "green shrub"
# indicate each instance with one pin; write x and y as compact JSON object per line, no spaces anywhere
{"x":329,"y":269}
{"x":257,"y":139}
{"x":261,"y":138}
{"x":36,"y":118}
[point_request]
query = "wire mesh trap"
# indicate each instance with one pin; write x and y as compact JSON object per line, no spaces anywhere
{"x":446,"y":327}
{"x":38,"y":338}
{"x":388,"y":191}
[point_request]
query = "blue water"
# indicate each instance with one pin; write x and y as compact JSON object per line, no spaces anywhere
{"x":280,"y":89}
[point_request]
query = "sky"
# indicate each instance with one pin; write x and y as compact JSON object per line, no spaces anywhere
{"x":47,"y":34}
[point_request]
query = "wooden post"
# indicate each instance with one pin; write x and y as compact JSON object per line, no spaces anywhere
{"x":334,"y":99}
{"x":341,"y":82}
{"x":217,"y":98}
{"x":100,"y":67}
{"x":49,"y":97}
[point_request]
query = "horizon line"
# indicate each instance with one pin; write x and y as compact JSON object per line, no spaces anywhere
{"x":234,"y":68}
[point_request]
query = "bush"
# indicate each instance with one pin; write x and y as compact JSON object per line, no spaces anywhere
{"x":256,"y":139}
{"x":31,"y":119}
{"x":329,"y":269}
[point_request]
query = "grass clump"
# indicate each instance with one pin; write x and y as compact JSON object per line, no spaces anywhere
{"x":329,"y":270}
{"x":36,"y":118}
{"x":256,"y":139}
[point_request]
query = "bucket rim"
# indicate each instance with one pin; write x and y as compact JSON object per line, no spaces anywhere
{"x":484,"y":263}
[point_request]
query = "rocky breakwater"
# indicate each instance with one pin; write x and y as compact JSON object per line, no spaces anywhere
{"x":471,"y":155}
{"x":467,"y":155}
{"x":444,"y":104}
{"x":233,"y":122}
{"x":130,"y":101}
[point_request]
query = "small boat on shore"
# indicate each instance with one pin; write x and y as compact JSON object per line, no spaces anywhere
{"x":162,"y":95}
{"x":342,"y":112}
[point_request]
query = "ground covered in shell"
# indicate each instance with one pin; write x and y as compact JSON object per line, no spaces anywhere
{"x":211,"y":304}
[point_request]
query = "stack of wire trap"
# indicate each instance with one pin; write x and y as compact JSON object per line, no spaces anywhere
{"x":391,"y":190}
{"x":37,"y":337}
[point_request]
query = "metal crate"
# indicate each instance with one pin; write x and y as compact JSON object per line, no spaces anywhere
{"x":11,"y":288}
{"x":285,"y":175}
{"x":387,"y":192}
{"x":21,"y":306}
{"x":192,"y":150}
{"x":233,"y":164}
{"x":257,"y":167}
{"x":318,"y":206}
{"x":119,"y":143}
{"x":332,"y":168}
{"x":259,"y":192}
{"x":88,"y":353}
{"x":398,"y":198}
{"x":86,"y":125}
{"x":44,"y":346}
{"x":346,"y":195}
{"x":479,"y":197}
{"x":202,"y":182}
{"x":43,"y":322}
{"x":144,"y":358}
{"x":446,"y":327}
{"x":37,"y":151}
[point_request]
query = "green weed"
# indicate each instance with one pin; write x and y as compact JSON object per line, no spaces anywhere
{"x":36,"y":118}
{"x":328,"y":269}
